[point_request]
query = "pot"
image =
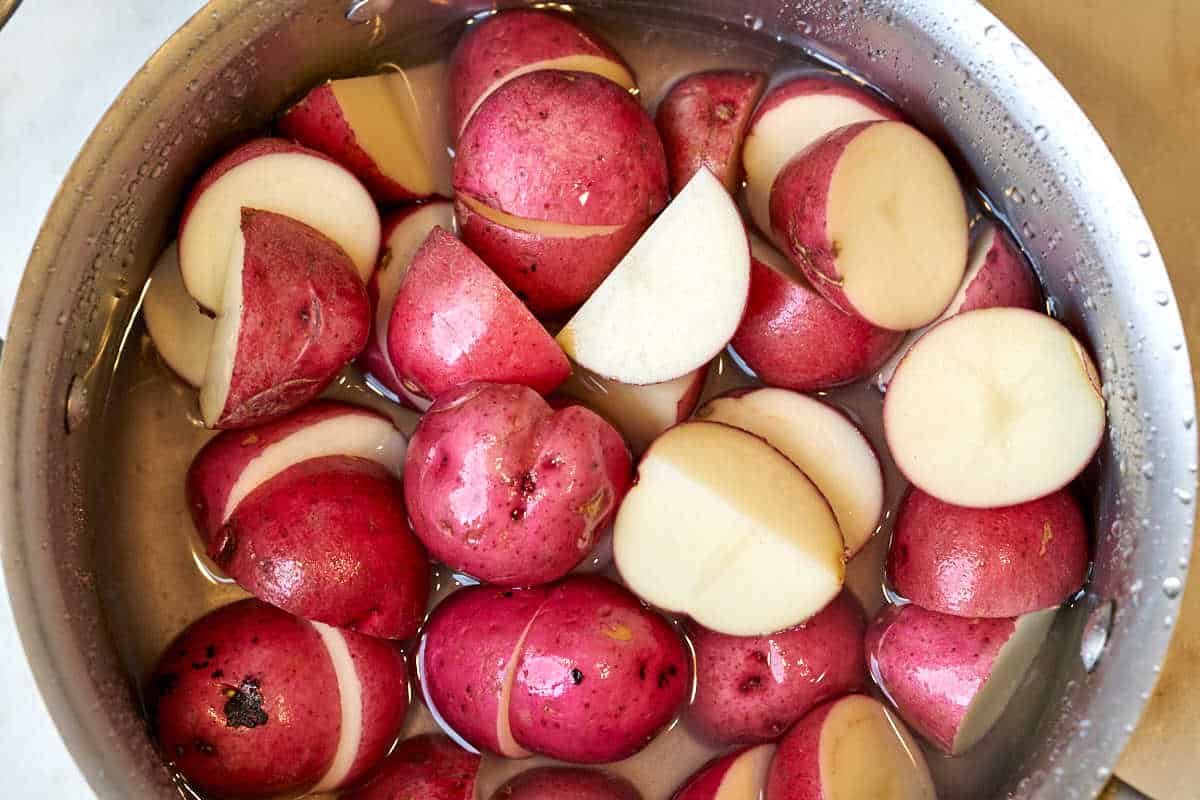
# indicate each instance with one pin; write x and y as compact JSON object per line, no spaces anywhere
{"x":951,"y":65}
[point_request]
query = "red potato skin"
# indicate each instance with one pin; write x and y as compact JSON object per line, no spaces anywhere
{"x":305,"y":316}
{"x":931,"y":665}
{"x":994,"y":562}
{"x":564,"y":783}
{"x":549,"y":273}
{"x":795,"y":772}
{"x":339,"y":523}
{"x":794,"y":338}
{"x":823,"y":83}
{"x":455,"y":322}
{"x":428,"y":767}
{"x":317,"y":121}
{"x":702,"y":122}
{"x":1004,"y":280}
{"x":600,"y":675}
{"x":706,"y":782}
{"x":750,"y":689}
{"x":249,"y":679}
{"x":566,"y":147}
{"x":508,"y":490}
{"x":505,"y":42}
{"x":219,"y":464}
{"x":383,"y":675}
{"x":469,"y":645}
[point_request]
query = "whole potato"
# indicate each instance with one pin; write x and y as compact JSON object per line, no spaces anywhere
{"x":599,"y":676}
{"x":564,"y":783}
{"x":504,"y":488}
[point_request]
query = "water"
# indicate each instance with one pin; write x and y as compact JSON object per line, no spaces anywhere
{"x":155,"y":580}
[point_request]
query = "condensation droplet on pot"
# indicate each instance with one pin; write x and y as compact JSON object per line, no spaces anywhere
{"x":1028,"y":230}
{"x":62,"y":318}
{"x":1103,"y":772}
{"x":1148,"y":470}
{"x":1172,"y":587}
{"x":1189,"y":421}
{"x":1022,"y":53}
{"x":992,"y":32}
{"x":77,"y":405}
{"x":1143,"y":249}
{"x":1183,"y":496}
{"x":1034,"y":197}
{"x":1161,"y":298}
{"x":1014,"y":194}
{"x":752,"y":22}
{"x":1168,"y":621}
{"x":1041,"y":133}
{"x":193,"y":84}
{"x":1095,"y":635}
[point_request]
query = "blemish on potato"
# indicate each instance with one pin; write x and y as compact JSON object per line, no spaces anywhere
{"x":244,"y":705}
{"x":249,"y":439}
{"x":577,"y":676}
{"x":1047,"y":537}
{"x":619,"y":632}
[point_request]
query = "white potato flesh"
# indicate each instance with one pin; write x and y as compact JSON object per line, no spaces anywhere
{"x":724,"y":528}
{"x":746,"y":778}
{"x":350,"y":696}
{"x":181,"y":332}
{"x":218,"y":375}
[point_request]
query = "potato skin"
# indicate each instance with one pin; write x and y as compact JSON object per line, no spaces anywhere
{"x":564,"y":783}
{"x":795,"y":772}
{"x":249,"y":679}
{"x":468,"y":659}
{"x":702,"y":121}
{"x":988,"y":562}
{"x":429,"y":767}
{"x":305,"y":316}
{"x":502,"y":487}
{"x":600,"y":675}
{"x":566,"y":147}
{"x":339,"y":523}
{"x":794,"y":338}
{"x":1005,"y":279}
{"x":750,"y":689}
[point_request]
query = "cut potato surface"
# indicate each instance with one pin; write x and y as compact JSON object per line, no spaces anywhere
{"x":350,"y":693}
{"x":866,"y":752}
{"x":182,"y":333}
{"x":422,"y":95}
{"x":741,"y":775}
{"x":716,"y":516}
{"x":822,"y":442}
{"x":385,"y":125}
{"x":993,"y":408}
{"x":675,"y":299}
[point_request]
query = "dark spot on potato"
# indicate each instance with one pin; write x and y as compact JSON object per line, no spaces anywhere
{"x":199,"y":665}
{"x":528,"y":483}
{"x":533,"y":267}
{"x":207,"y":748}
{"x":577,"y":676}
{"x":165,"y":684}
{"x":759,"y":656}
{"x":642,"y":671}
{"x":543,"y":114}
{"x":664,"y":680}
{"x":750,"y":684}
{"x":517,"y":514}
{"x":218,"y":674}
{"x":507,"y":594}
{"x":179,"y":751}
{"x":672,"y":670}
{"x":244,"y":705}
{"x":210,"y":651}
{"x":253,"y":640}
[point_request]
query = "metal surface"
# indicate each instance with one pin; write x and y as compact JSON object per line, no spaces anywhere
{"x":7,"y":9}
{"x":951,"y":65}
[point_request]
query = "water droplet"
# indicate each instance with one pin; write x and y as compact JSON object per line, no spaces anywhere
{"x":192,"y":84}
{"x":1162,"y":298}
{"x":1183,"y":562}
{"x":1029,"y":231}
{"x":1177,"y":346}
{"x":77,"y":407}
{"x":1041,"y":133}
{"x":992,"y":32}
{"x":1172,"y":587}
{"x":1034,"y":197}
{"x":1022,"y":53}
{"x":1095,"y":635}
{"x":1148,"y":470}
{"x":752,"y":22}
{"x":1189,"y":421}
{"x":1144,"y":249}
{"x":1168,"y":621}
{"x":1183,"y":495}
{"x":1103,"y":772}
{"x":1014,"y":194}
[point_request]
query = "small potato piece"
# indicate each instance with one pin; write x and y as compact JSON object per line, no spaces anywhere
{"x":428,"y":767}
{"x":250,"y":701}
{"x":504,"y":488}
{"x":988,"y":562}
{"x":741,"y":775}
{"x":328,"y":540}
{"x":750,"y":689}
{"x":564,"y":783}
{"x":599,"y":675}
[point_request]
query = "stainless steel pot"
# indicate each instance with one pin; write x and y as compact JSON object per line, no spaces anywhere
{"x":956,"y":69}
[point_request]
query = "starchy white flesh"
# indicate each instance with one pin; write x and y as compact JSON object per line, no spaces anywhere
{"x":823,"y":443}
{"x":554,"y":230}
{"x":746,"y":778}
{"x":1009,"y":668}
{"x":640,"y":413}
{"x":718,"y":514}
{"x":897,"y":219}
{"x":350,"y":434}
{"x":181,"y":332}
{"x":313,"y":190}
{"x":350,"y":697}
{"x":994,"y":407}
{"x":222,"y":355}
{"x":675,"y":299}
{"x":423,"y":93}
{"x":783,"y":132}
{"x":865,"y":751}
{"x":597,"y":65}
{"x":382,"y":114}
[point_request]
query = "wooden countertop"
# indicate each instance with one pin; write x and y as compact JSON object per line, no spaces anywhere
{"x":1134,"y":66}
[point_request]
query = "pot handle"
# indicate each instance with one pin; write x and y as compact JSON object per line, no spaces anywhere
{"x":7,"y":7}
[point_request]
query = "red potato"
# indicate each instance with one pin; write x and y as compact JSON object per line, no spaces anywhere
{"x":994,"y":407}
{"x":283,"y":177}
{"x":403,"y":234}
{"x":988,"y":562}
{"x":428,"y":767}
{"x":506,"y":489}
{"x":181,"y":332}
{"x":599,"y":674}
{"x":874,"y":217}
{"x":741,"y":775}
{"x":702,"y":121}
{"x":374,"y":127}
{"x":564,"y":783}
{"x":294,"y":314}
{"x":234,"y":463}
{"x":455,"y":322}
{"x":951,"y":677}
{"x":328,"y":540}
{"x":249,"y":679}
{"x":794,"y":338}
{"x":792,"y":116}
{"x":851,"y":747}
{"x":751,"y":689}
{"x":557,"y":175}
{"x":504,"y":46}
{"x":468,"y":660}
